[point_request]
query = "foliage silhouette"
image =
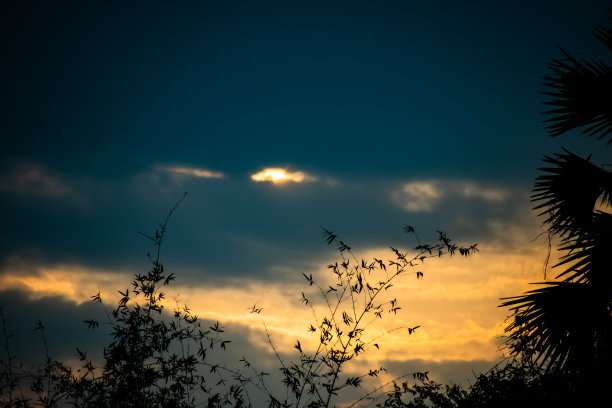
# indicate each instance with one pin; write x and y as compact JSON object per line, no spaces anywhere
{"x":352,"y":304}
{"x":152,"y":360}
{"x":514,"y":383}
{"x":561,"y":334}
{"x":568,"y":322}
{"x":156,"y":359}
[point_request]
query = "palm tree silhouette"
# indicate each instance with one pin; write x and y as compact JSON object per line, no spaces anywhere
{"x":567,"y":322}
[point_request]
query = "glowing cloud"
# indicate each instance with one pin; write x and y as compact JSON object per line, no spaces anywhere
{"x":424,"y":196}
{"x":455,"y":303}
{"x":418,"y":196}
{"x":472,"y":190}
{"x":194,"y":172}
{"x":278,"y":175}
{"x":71,"y":282}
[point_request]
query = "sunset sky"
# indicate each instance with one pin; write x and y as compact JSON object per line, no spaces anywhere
{"x":278,"y":118}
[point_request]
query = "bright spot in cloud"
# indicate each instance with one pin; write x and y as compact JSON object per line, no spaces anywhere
{"x":278,"y":175}
{"x":194,"y":172}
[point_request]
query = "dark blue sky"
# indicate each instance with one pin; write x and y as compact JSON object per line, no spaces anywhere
{"x":399,"y":112}
{"x":361,"y":88}
{"x":95,"y":94}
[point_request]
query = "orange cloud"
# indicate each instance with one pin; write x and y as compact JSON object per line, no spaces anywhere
{"x":456,"y":302}
{"x":73,"y":283}
{"x":278,"y":175}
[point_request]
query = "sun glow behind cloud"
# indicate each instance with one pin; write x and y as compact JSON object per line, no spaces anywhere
{"x":279,"y":175}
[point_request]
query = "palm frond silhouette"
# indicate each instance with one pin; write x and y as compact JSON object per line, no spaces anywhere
{"x":568,"y":322}
{"x":581,"y":93}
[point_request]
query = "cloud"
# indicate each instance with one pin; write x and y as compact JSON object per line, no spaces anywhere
{"x":193,"y":172}
{"x":279,"y":175}
{"x":64,"y":320}
{"x":473,"y":190}
{"x":424,"y":196}
{"x":34,"y":179}
{"x":455,"y":303}
{"x":167,"y":177}
{"x":418,"y":196}
{"x":445,"y":372}
{"x":72,"y":283}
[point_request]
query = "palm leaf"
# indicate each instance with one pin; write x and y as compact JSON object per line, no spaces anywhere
{"x":581,"y":92}
{"x":569,"y":191}
{"x":604,"y":34}
{"x":560,"y":321}
{"x":568,"y":323}
{"x":588,"y":253}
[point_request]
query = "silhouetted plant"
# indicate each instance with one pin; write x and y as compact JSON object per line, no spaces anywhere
{"x":561,"y":334}
{"x":568,"y":322}
{"x":154,"y":361}
{"x":158,"y":360}
{"x":10,"y":381}
{"x":21,"y":385}
{"x":352,"y":303}
{"x":513,"y":384}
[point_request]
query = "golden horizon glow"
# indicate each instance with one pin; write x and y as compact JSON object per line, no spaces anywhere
{"x":71,"y":283}
{"x":455,"y":303}
{"x":280,"y":175}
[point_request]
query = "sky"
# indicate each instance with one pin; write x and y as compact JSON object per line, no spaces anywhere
{"x":278,"y":119}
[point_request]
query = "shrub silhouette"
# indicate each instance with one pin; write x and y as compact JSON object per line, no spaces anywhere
{"x":158,"y":360}
{"x":514,"y":382}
